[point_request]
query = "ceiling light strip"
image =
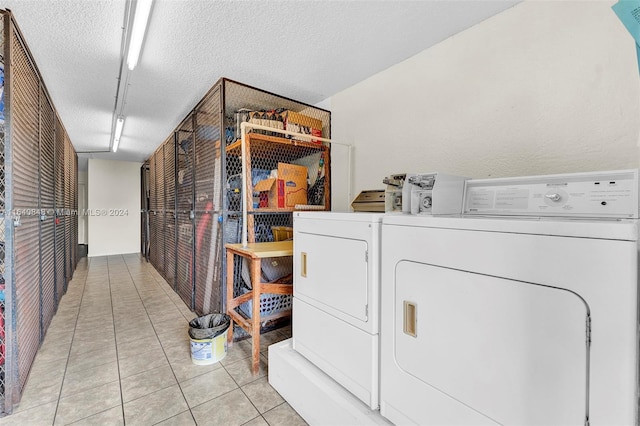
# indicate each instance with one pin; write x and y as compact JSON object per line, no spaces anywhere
{"x":140,"y":19}
{"x":118,"y":133}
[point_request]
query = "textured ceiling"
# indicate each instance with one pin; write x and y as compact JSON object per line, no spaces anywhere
{"x":304,"y":50}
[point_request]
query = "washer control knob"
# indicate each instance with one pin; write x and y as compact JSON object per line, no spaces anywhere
{"x":426,"y":203}
{"x":553,"y":197}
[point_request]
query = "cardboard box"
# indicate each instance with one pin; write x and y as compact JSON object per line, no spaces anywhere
{"x":289,"y":189}
{"x":300,"y":123}
{"x":275,"y":190}
{"x":295,"y":183}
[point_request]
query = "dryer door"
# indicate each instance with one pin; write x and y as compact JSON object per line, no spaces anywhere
{"x":513,"y":351}
{"x":331,"y":273}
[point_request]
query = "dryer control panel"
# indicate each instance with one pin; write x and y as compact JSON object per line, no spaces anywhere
{"x":612,"y":194}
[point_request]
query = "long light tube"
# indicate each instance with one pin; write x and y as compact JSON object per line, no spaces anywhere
{"x":143,"y":8}
{"x":118,"y":133}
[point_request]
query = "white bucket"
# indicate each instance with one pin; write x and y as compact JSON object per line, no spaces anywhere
{"x":209,"y":351}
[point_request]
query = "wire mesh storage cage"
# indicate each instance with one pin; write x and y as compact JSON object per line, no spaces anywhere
{"x":38,"y":212}
{"x":195,"y":201}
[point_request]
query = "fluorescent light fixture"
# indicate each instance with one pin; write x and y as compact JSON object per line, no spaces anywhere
{"x":118,"y":133}
{"x":143,"y":8}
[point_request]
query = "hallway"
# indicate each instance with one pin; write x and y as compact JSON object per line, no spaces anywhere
{"x":117,"y":352}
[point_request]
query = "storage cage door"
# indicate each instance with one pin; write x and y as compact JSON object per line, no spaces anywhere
{"x":25,"y":90}
{"x":185,"y":212}
{"x":153,"y":211}
{"x":170,"y":209}
{"x":6,"y":264}
{"x":74,"y":207}
{"x":47,"y":248}
{"x":160,"y":194}
{"x":208,"y":235}
{"x":61,"y":280}
{"x":67,"y":209}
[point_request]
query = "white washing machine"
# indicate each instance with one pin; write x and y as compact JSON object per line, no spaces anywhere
{"x":522,"y":312}
{"x":336,"y":297}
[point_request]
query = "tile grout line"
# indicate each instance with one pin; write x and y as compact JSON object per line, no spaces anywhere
{"x":115,"y":341}
{"x":238,"y":387}
{"x":110,"y":408}
{"x":232,"y":378}
{"x":158,"y":337}
{"x":75,"y":326}
{"x":223,"y":367}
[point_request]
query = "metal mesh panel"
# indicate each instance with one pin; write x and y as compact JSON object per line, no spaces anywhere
{"x":153,"y":247}
{"x":49,"y":298}
{"x":144,"y":214}
{"x":58,"y":165}
{"x":47,"y":260}
{"x":25,"y":124}
{"x":208,"y":233}
{"x":184,"y":202}
{"x":153,"y":199}
{"x":169,"y":230}
{"x":67,"y":208}
{"x":184,"y":259}
{"x":160,"y":243}
{"x":75,"y":208}
{"x":185,"y":167}
{"x":41,"y":180}
{"x":27,"y":245}
{"x":160,"y":266}
{"x":153,"y":212}
{"x":239,"y":96}
{"x":169,"y":174}
{"x":208,"y":154}
{"x":47,"y":136}
{"x":160,"y":177}
{"x":208,"y":264}
{"x":4,"y":226}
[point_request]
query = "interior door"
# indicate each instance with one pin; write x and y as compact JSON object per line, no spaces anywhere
{"x":515,"y":352}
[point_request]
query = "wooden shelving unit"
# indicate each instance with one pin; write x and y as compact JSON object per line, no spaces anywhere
{"x":271,"y":150}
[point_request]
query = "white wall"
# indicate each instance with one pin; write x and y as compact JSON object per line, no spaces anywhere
{"x":544,"y":87}
{"x":114,"y":188}
{"x":82,"y":207}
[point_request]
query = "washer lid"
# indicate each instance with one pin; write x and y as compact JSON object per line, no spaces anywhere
{"x":608,"y":229}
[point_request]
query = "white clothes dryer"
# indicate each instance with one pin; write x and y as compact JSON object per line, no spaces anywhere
{"x":529,"y":317}
{"x":336,"y":292}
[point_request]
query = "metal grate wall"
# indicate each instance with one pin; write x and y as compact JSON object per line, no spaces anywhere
{"x":161,"y":207}
{"x":184,"y":205}
{"x":206,"y":183}
{"x":153,"y":212}
{"x":208,"y":266}
{"x":47,"y":238}
{"x":144,"y":211}
{"x":38,"y":185}
{"x":24,"y":139}
{"x":170,"y":211}
{"x":60,"y":242}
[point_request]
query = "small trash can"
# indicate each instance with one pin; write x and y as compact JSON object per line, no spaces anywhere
{"x":209,"y":338}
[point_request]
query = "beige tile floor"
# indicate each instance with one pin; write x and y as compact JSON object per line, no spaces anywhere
{"x":117,"y":352}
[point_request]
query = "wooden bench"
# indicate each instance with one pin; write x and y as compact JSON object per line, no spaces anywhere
{"x":254,"y":253}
